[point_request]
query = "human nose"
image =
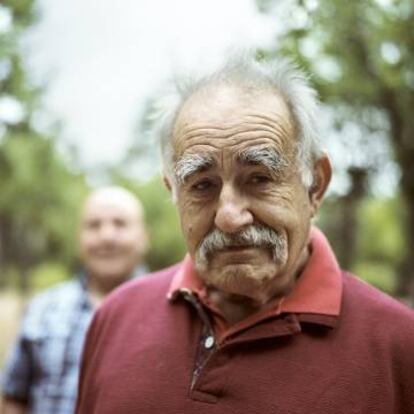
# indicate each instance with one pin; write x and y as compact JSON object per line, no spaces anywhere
{"x":232,"y":211}
{"x":107,"y":232}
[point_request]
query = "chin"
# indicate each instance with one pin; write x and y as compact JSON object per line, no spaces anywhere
{"x":110,"y":272}
{"x":258,"y":283}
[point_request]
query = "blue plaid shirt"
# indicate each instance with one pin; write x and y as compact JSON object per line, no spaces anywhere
{"x":43,"y":367}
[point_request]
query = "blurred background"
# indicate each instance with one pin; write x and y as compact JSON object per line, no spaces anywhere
{"x":77,"y":81}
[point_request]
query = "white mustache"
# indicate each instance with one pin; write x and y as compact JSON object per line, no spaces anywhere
{"x":252,"y":236}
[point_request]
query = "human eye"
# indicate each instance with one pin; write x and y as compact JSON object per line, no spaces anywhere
{"x":119,"y":223}
{"x":92,"y":224}
{"x":202,"y":186}
{"x":259,"y":178}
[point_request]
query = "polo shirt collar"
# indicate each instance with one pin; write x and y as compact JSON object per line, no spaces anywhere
{"x":318,"y":289}
{"x":316,"y":296}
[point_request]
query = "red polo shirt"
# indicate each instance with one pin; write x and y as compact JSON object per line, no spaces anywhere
{"x":145,"y":354}
{"x":321,"y":270}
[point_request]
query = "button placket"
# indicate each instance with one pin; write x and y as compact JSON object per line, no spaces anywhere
{"x":207,"y":344}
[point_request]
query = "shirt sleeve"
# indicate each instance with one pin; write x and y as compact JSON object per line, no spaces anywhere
{"x":17,"y":374}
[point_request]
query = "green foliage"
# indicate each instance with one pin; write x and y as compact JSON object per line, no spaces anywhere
{"x":48,"y":274}
{"x":22,"y":11}
{"x":380,"y":275}
{"x":40,"y":200}
{"x":40,"y":194}
{"x":41,"y":276}
{"x":380,"y":243}
{"x":381,"y":236}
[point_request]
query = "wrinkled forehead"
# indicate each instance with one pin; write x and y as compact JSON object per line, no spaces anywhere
{"x":251,"y":127}
{"x":224,"y":103}
{"x":224,"y":110}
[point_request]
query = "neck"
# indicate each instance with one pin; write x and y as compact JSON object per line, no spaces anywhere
{"x":235,"y":308}
{"x":98,"y":289}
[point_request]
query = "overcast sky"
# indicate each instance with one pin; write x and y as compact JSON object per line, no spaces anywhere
{"x":100,"y":59}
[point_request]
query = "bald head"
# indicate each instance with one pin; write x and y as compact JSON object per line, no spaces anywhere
{"x":113,"y":239}
{"x":116,"y":197}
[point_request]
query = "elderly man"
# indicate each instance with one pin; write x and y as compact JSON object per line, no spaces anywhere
{"x":42,"y":372}
{"x":258,"y":318}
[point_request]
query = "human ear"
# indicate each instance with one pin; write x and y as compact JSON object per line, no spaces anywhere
{"x":322,"y":173}
{"x":167,"y":182}
{"x":170,"y":187}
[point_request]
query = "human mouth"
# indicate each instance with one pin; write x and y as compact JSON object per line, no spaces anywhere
{"x":106,"y":253}
{"x":238,"y":255}
{"x":229,"y":249}
{"x":236,"y":251}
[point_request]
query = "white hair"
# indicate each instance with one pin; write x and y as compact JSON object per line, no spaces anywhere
{"x":243,"y":70}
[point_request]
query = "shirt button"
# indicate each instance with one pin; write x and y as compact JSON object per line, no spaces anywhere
{"x":209,"y":342}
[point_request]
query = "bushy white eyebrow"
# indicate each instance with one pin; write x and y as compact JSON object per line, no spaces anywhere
{"x":191,"y":164}
{"x":268,"y":157}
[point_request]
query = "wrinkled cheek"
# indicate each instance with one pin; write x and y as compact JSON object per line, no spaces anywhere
{"x":194,"y":232}
{"x":189,"y":234}
{"x":281,"y":251}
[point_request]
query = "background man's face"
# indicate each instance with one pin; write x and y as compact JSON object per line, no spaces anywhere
{"x":112,"y":238}
{"x":236,"y":158}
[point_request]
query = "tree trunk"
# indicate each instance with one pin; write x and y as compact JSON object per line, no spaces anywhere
{"x":349,"y":220}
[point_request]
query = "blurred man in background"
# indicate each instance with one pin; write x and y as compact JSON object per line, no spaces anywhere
{"x":41,"y":375}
